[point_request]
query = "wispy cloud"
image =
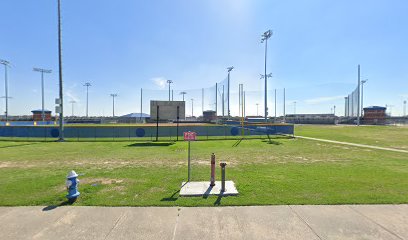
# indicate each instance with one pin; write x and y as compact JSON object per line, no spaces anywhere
{"x":69,"y":92}
{"x":323,"y":99}
{"x":159,"y":81}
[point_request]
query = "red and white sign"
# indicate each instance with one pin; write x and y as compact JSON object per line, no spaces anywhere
{"x":190,"y":136}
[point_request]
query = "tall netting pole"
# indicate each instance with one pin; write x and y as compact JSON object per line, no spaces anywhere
{"x":202,"y":100}
{"x":358,"y":98}
{"x":141,"y":103}
{"x":284,"y":105}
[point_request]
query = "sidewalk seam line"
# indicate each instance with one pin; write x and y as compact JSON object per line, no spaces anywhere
{"x":175,"y":225}
{"x":116,"y":224}
{"x":304,"y":221}
{"x":381,"y":226}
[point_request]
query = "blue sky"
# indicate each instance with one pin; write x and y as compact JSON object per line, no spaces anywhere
{"x":122,"y":46}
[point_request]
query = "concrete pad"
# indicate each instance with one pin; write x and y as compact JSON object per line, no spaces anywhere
{"x":146,"y":223}
{"x":83,"y":223}
{"x":197,"y":189}
{"x":393,"y":218}
{"x":272,"y":222}
{"x":25,"y":222}
{"x":340,"y":222}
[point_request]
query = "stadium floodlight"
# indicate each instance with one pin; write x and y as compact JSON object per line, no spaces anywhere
{"x":6,"y":65}
{"x":42,"y":71}
{"x":362,"y":95}
{"x":113,"y":95}
{"x":183,"y":93}
{"x":169,"y":82}
{"x":87,"y":85}
{"x":228,"y":95}
{"x":265,"y":36}
{"x":72,"y":102}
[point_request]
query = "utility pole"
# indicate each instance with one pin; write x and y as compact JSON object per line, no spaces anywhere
{"x":169,"y":82}
{"x":334,"y":110}
{"x":113,"y":95}
{"x":61,"y":93}
{"x":265,"y":38}
{"x":87,"y":85}
{"x":183,"y":93}
{"x":6,"y":65}
{"x":362,"y":95}
{"x":228,"y":94}
{"x":42,"y":71}
{"x":72,"y":110}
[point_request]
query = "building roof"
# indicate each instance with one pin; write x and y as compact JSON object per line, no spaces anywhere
{"x":375,"y":108}
{"x":40,"y":111}
{"x":136,"y":115}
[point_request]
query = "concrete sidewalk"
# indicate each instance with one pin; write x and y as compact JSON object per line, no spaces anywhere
{"x":263,"y":222}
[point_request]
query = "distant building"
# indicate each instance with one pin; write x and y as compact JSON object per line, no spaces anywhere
{"x":209,"y":116}
{"x":167,"y":110}
{"x":374,"y":115}
{"x":311,"y":118}
{"x":37,"y":115}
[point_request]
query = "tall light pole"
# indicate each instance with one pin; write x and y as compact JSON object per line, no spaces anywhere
{"x":265,"y":38}
{"x":61,"y":93}
{"x":183,"y":93}
{"x":192,"y":107}
{"x":87,"y":85}
{"x":228,"y":95}
{"x":334,"y":110}
{"x":294,"y":107}
{"x":346,"y":106}
{"x":405,"y":108}
{"x":72,"y":110}
{"x":275,"y":103}
{"x":169,"y":82}
{"x":362,"y":95}
{"x":6,"y":65}
{"x":257,"y":114}
{"x":42,"y":71}
{"x":266,"y":97}
{"x":113,"y":95}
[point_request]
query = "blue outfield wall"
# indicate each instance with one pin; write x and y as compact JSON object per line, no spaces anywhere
{"x":142,"y":131}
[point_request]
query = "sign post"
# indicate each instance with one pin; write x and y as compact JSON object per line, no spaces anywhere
{"x":189,"y":136}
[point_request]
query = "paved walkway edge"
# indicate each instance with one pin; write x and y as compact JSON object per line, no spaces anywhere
{"x":353,"y":144}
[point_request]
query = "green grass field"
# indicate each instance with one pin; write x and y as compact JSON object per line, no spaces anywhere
{"x":383,"y":136}
{"x":286,"y":171}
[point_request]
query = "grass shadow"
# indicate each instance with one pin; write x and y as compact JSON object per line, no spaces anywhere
{"x":218,"y":201}
{"x":270,"y":141}
{"x":151,"y":144}
{"x":172,"y":198}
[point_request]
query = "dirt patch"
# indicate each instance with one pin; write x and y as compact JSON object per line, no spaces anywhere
{"x":103,"y":181}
